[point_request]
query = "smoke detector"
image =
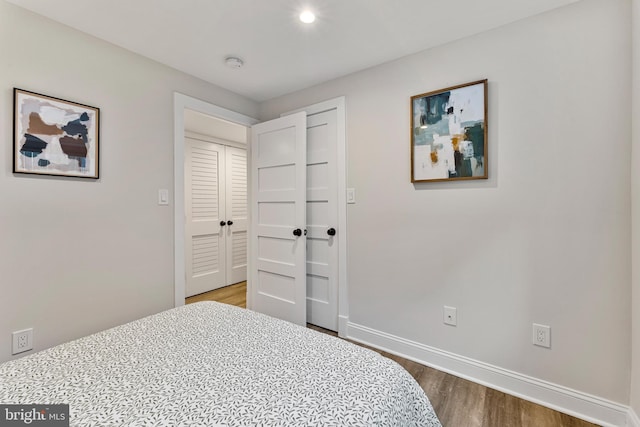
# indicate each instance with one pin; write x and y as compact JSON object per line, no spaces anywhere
{"x":233,"y":62}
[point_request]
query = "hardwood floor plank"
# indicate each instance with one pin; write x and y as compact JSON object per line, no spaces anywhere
{"x":234,"y":295}
{"x":469,"y":400}
{"x":431,"y":381}
{"x":443,"y":388}
{"x":501,"y":409}
{"x":534,"y":415}
{"x":456,"y":401}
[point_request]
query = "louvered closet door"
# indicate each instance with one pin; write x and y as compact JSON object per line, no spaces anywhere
{"x":204,"y":236}
{"x":237,"y":213}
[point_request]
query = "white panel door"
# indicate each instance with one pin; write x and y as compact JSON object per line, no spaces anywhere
{"x":322,"y":220}
{"x":278,"y":218}
{"x":236,"y":214}
{"x":204,"y":208}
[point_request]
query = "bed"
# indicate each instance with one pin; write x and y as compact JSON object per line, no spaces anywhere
{"x":211,"y":364}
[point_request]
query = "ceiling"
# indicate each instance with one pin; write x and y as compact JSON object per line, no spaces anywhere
{"x":280,"y":53}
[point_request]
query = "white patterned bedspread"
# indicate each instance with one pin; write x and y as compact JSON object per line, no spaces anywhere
{"x":210,"y":364}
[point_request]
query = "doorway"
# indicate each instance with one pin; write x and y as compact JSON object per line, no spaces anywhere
{"x":182,"y":103}
{"x":216,"y":212}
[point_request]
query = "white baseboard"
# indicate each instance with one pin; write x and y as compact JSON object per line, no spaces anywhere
{"x":343,"y":326}
{"x":575,"y":403}
{"x":633,"y":419}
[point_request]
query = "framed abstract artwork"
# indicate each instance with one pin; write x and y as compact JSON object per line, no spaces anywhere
{"x":52,"y":136}
{"x":449,"y":134}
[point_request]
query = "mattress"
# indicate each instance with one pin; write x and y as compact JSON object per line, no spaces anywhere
{"x":211,"y":364}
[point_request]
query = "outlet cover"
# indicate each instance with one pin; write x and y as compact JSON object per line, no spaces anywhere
{"x":450,"y":316}
{"x":22,"y":341}
{"x":542,"y":335}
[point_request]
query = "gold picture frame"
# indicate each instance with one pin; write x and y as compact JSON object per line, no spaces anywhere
{"x":449,"y":134}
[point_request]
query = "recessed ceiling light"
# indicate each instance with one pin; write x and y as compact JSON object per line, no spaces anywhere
{"x":307,"y":17}
{"x":233,"y":62}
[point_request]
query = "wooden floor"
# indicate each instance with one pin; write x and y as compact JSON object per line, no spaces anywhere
{"x":233,"y":295}
{"x":457,"y":402}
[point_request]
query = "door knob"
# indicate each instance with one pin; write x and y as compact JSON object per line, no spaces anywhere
{"x":297,"y":232}
{"x":222,"y":223}
{"x":331,"y":231}
{"x":229,"y":222}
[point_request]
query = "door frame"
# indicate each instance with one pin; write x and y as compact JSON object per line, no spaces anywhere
{"x":180,"y":103}
{"x":339,"y":104}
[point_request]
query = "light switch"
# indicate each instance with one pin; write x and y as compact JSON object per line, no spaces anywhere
{"x":163,"y":197}
{"x":351,"y":195}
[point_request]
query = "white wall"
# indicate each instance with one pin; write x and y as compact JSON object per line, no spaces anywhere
{"x":202,"y":124}
{"x":546,"y":239}
{"x":635,"y":161}
{"x":78,"y":256}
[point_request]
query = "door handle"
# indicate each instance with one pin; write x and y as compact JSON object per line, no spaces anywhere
{"x":229,"y":222}
{"x":331,"y":231}
{"x":222,"y":223}
{"x":297,"y":232}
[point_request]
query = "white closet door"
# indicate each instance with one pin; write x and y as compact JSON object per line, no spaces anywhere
{"x":322,"y":220}
{"x":204,"y":238}
{"x":278,"y":218}
{"x":236,"y":215}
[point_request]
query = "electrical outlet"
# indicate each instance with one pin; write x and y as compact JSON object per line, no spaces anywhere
{"x":450,"y":316}
{"x":22,"y":341}
{"x":542,"y":335}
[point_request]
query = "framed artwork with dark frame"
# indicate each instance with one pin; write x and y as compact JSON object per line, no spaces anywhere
{"x":449,"y":133}
{"x":52,"y":136}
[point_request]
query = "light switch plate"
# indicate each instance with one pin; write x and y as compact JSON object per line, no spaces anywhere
{"x":351,"y":195}
{"x":163,"y":197}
